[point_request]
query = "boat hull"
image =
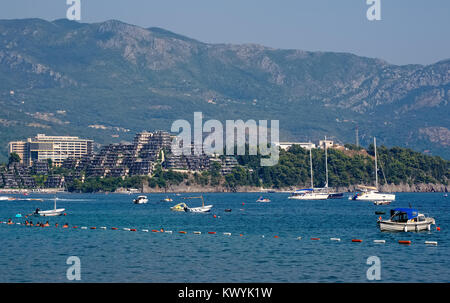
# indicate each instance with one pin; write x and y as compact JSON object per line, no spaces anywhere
{"x":201,"y":209}
{"x":374,"y":196}
{"x":313,"y":196}
{"x":386,"y":225}
{"x":51,"y":213}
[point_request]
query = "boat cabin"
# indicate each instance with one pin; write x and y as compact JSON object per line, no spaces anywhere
{"x":403,"y":215}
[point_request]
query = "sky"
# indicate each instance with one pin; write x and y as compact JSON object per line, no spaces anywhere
{"x":409,"y":32}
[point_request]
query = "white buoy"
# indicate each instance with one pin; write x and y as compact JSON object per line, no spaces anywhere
{"x":299,"y":238}
{"x":227,"y":234}
{"x":335,"y":239}
{"x":168,"y":231}
{"x":83,"y":227}
{"x":103,"y":227}
{"x":431,"y":242}
{"x":379,"y":241}
{"x":145,"y":230}
{"x":197,"y":232}
{"x":127,"y":229}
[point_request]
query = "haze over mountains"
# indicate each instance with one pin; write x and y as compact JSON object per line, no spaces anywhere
{"x":108,"y":80}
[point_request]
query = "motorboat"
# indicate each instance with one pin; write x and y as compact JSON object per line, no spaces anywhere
{"x":369,"y":193}
{"x":140,"y":200}
{"x":406,"y":219}
{"x":261,"y":199}
{"x":50,"y":213}
{"x":167,"y":199}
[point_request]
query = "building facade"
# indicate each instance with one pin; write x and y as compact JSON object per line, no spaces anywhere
{"x":56,"y":148}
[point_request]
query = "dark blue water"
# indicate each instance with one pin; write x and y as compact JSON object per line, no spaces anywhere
{"x":35,"y":254}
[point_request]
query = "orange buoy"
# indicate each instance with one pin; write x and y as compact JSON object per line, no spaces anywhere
{"x":74,"y":226}
{"x":93,"y":227}
{"x":215,"y":216}
{"x":155,"y":231}
{"x":275,"y":236}
{"x":315,"y":238}
{"x":241,"y":235}
{"x":132,"y":229}
{"x":182,"y":232}
{"x":114,"y":228}
{"x":212,"y":232}
{"x":404,"y":242}
{"x":357,"y":240}
{"x":438,"y":228}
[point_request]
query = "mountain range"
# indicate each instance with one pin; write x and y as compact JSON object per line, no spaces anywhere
{"x":106,"y":81}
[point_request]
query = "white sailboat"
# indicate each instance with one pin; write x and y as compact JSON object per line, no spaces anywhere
{"x":369,"y":193}
{"x":309,"y":193}
{"x":50,"y":213}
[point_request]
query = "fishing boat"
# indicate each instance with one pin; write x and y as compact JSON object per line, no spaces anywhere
{"x":309,"y":193}
{"x":50,"y":213}
{"x":261,"y":199}
{"x":140,"y":200}
{"x":201,"y":209}
{"x":369,"y":193}
{"x":406,"y":219}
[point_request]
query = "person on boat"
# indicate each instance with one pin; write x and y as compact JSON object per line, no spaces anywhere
{"x":66,"y":225}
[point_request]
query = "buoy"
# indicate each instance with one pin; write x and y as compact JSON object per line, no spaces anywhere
{"x":212,"y":232}
{"x":65,"y":214}
{"x":431,"y":242}
{"x":241,"y":235}
{"x":404,"y":242}
{"x":315,"y":239}
{"x":83,"y":227}
{"x":133,"y":229}
{"x":103,"y":227}
{"x":197,"y":232}
{"x":168,"y":231}
{"x":335,"y":239}
{"x":227,"y":234}
{"x":127,"y":229}
{"x":299,"y":238}
{"x":379,"y":241}
{"x":357,"y":240}
{"x":74,"y":226}
{"x":275,"y":236}
{"x":114,"y":228}
{"x":215,"y":216}
{"x":155,"y":231}
{"x":145,"y":230}
{"x":93,"y":227}
{"x":182,"y":232}
{"x":438,"y":228}
{"x":243,"y":203}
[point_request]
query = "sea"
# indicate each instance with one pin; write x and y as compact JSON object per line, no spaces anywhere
{"x":263,"y":242}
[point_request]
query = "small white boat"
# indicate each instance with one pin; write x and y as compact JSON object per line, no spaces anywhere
{"x":140,"y":200}
{"x":50,"y":213}
{"x":406,"y":219}
{"x":264,"y":200}
{"x":3,"y":198}
{"x":167,"y":199}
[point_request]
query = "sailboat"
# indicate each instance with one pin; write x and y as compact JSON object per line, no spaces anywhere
{"x":201,"y":209}
{"x":50,"y":213}
{"x":309,"y":193}
{"x":331,"y":195}
{"x":369,"y":193}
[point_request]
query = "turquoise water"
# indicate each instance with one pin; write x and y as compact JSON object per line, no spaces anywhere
{"x":35,"y":254}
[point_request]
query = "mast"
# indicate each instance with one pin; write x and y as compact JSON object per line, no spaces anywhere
{"x":376,"y":167}
{"x":326,"y":163}
{"x":310,"y":165}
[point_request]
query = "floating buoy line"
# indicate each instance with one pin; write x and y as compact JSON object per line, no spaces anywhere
{"x":317,"y":239}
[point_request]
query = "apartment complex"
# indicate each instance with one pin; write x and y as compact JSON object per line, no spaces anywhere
{"x":56,"y":148}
